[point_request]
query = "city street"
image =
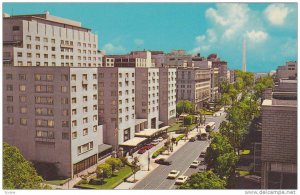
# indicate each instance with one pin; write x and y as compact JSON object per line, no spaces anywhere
{"x":181,"y":160}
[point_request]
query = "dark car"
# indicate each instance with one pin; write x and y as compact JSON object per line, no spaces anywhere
{"x":142,"y":151}
{"x":202,"y":155}
{"x":163,"y":161}
{"x":192,"y":139}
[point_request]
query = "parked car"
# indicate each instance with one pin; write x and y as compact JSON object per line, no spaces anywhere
{"x":192,"y":139}
{"x":163,"y":161}
{"x":253,"y":178}
{"x":148,"y":146}
{"x":142,"y":151}
{"x":202,"y":168}
{"x":202,"y":155}
{"x":195,"y":164}
{"x":155,"y":142}
{"x":160,"y":139}
{"x":173,"y":174}
{"x":181,"y":179}
{"x":202,"y":162}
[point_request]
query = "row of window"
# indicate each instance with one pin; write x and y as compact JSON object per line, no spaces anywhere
{"x":126,"y":118}
{"x":149,"y":110}
{"x":84,"y":148}
{"x":64,"y":42}
{"x":114,"y":75}
{"x":84,"y":120}
{"x":85,"y":132}
{"x":114,"y":110}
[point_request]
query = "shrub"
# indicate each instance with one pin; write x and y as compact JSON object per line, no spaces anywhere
{"x":179,"y":137}
{"x":124,"y":160}
{"x":95,"y":181}
{"x":115,"y":163}
{"x":104,"y":170}
{"x":159,"y":151}
{"x":188,"y":120}
{"x":84,"y":181}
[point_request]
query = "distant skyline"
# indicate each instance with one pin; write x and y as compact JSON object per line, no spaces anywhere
{"x":205,"y":28}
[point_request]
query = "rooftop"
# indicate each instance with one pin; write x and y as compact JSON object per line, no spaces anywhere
{"x":280,"y":102}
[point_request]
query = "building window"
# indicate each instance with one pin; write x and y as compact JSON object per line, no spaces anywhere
{"x":95,"y":128}
{"x":73,"y":100}
{"x":85,"y":120}
{"x":126,"y":134}
{"x":95,"y":118}
{"x":10,"y":109}
{"x":65,"y":136}
{"x":74,"y":135}
{"x":65,"y":123}
{"x":23,"y":121}
{"x":22,"y":88}
{"x":16,"y":28}
{"x":74,"y":111}
{"x":65,"y":112}
{"x":85,"y":98}
{"x":85,"y":109}
{"x":85,"y":131}
{"x":74,"y":123}
{"x":10,"y":120}
{"x":23,"y":110}
{"x":64,"y":100}
{"x":73,"y":77}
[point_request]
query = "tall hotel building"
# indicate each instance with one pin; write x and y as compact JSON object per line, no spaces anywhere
{"x":117,"y":103}
{"x":50,"y":79}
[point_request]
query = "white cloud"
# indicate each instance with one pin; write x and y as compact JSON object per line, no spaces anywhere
{"x":200,"y":39}
{"x":256,"y":36}
{"x":277,"y":13}
{"x":211,"y":35}
{"x":110,"y":48}
{"x":139,"y":42}
{"x":230,"y":17}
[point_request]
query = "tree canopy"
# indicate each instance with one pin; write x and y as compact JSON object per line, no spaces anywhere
{"x":204,"y":180}
{"x":184,"y":106}
{"x":18,"y":173}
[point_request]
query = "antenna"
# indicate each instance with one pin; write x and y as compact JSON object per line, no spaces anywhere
{"x":244,"y":56}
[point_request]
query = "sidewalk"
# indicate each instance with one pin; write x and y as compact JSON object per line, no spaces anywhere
{"x":144,"y":161}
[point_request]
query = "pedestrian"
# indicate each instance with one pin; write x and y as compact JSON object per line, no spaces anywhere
{"x":176,"y":143}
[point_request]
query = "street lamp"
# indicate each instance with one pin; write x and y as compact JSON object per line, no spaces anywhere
{"x":148,"y":160}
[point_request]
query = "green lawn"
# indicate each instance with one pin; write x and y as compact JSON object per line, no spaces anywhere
{"x":113,"y":181}
{"x":175,"y":126}
{"x":57,"y":182}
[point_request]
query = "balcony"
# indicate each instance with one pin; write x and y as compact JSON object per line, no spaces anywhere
{"x":43,"y":139}
{"x":62,"y":45}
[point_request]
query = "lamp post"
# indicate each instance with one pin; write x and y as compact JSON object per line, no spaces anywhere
{"x":148,"y":160}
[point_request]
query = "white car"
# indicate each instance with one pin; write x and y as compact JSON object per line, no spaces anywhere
{"x":181,"y":179}
{"x":155,"y":142}
{"x":160,"y":139}
{"x":173,"y":174}
{"x":195,"y":164}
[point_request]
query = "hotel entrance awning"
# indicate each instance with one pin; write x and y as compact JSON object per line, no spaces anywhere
{"x":133,"y":142}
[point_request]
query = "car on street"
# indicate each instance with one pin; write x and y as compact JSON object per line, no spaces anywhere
{"x":202,"y":155}
{"x":142,"y":151}
{"x":181,"y":179}
{"x":163,"y":161}
{"x":202,"y":162}
{"x":202,"y":168}
{"x":173,"y":174}
{"x":192,"y":139}
{"x":195,"y":164}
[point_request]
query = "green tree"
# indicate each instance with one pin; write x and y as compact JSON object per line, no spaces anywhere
{"x":184,"y":106}
{"x":204,"y":180}
{"x":18,"y":173}
{"x":115,"y":163}
{"x":104,"y":171}
{"x":187,"y":120}
{"x":134,"y":165}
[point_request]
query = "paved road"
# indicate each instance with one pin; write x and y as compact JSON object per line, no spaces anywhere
{"x":181,"y":161}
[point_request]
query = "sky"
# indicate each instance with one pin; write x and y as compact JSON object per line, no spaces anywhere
{"x":270,"y":30}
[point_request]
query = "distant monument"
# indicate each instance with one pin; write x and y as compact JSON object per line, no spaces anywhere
{"x":244,"y":56}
